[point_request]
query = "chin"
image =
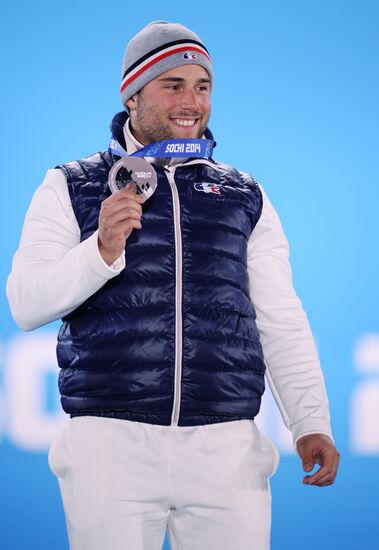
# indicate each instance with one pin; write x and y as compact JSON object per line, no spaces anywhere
{"x":187,"y":134}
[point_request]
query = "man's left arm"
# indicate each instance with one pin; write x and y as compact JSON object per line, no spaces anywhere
{"x":293,"y":368}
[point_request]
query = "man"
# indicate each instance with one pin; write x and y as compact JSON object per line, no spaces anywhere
{"x":173,"y":306}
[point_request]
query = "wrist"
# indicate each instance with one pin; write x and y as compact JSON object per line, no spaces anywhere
{"x":109,"y":257}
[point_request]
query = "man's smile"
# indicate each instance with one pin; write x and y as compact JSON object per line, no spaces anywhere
{"x":184,"y":121}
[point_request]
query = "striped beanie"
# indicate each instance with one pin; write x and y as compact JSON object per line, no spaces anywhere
{"x":157,"y":48}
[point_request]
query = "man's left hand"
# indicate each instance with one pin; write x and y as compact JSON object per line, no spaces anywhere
{"x":318,"y":449}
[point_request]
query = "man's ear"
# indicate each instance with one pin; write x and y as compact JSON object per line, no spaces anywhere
{"x":132,"y":102}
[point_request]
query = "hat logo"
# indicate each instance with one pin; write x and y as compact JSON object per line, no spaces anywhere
{"x":189,"y":55}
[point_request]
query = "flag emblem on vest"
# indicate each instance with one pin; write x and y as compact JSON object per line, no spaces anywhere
{"x":189,"y":55}
{"x":207,"y":187}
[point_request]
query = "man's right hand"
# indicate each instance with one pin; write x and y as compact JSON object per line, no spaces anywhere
{"x":119,"y":215}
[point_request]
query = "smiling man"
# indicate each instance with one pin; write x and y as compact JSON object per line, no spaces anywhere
{"x":176,"y":301}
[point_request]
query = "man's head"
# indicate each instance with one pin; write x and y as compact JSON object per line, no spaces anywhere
{"x":166,"y":82}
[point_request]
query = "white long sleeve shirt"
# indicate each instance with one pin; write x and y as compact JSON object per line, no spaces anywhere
{"x":53,"y":273}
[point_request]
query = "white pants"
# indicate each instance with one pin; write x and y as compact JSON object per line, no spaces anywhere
{"x":122,"y":483}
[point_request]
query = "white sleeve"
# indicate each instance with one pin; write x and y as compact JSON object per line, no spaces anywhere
{"x":52,"y":271}
{"x":293,"y":369}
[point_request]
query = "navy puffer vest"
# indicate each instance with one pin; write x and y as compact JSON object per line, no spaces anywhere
{"x":172,"y":339}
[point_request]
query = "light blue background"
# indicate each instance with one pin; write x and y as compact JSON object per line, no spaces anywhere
{"x":295,"y":103}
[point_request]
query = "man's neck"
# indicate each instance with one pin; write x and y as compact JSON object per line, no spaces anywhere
{"x":131,"y":142}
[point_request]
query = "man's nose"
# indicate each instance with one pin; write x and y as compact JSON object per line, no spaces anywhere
{"x":188,"y":99}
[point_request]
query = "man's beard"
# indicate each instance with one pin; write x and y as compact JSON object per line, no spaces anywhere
{"x":155,"y":128}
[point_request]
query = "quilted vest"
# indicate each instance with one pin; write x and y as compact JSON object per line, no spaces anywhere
{"x":172,"y":339}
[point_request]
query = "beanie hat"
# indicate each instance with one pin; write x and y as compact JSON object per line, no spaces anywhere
{"x":157,"y":48}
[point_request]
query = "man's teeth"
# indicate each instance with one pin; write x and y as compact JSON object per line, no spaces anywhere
{"x":184,"y":122}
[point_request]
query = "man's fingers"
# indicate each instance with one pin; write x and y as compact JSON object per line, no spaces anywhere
{"x":119,"y":226}
{"x":318,"y":449}
{"x":308,"y":466}
{"x":119,"y":207}
{"x":321,"y":473}
{"x":123,"y":215}
{"x":326,"y":479}
{"x":128,"y":225}
{"x":128,"y":199}
{"x":326,"y":474}
{"x":308,"y":461}
{"x":131,"y":189}
{"x":329,"y":479}
{"x":130,"y":192}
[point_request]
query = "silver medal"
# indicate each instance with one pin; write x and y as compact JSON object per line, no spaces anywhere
{"x":133,"y":170}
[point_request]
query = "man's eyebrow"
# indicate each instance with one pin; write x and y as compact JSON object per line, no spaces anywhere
{"x":178,"y":79}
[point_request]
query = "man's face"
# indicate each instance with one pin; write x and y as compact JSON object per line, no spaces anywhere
{"x":176,"y":104}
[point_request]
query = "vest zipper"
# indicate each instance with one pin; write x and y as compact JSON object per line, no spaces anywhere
{"x":178,"y":297}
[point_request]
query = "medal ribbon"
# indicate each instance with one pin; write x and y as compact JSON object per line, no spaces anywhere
{"x":195,"y":148}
